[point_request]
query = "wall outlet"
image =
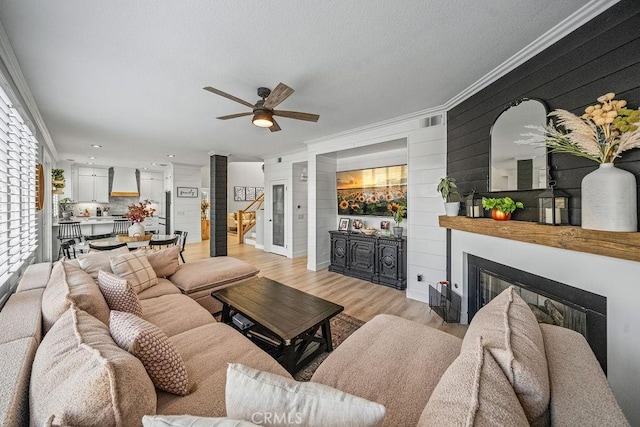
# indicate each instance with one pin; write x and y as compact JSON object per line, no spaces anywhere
{"x":419,"y":277}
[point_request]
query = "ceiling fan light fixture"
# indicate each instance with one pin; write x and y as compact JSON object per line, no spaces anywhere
{"x":262,"y":118}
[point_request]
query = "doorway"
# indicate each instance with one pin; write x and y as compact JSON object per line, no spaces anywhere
{"x":277,"y":220}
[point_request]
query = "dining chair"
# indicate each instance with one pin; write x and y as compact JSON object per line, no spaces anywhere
{"x":182,"y":241}
{"x":107,"y":247}
{"x":121,"y":226}
{"x":155,"y":244}
{"x":69,"y":232}
{"x":98,"y":236}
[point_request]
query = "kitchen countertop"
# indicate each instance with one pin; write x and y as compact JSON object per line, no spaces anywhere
{"x":90,"y":220}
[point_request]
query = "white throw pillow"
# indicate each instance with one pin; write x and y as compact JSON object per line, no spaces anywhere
{"x":268,"y":399}
{"x":191,"y":421}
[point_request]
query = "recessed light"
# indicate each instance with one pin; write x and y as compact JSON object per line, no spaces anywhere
{"x":153,"y":164}
{"x":70,"y":160}
{"x":145,"y":168}
{"x":89,"y":163}
{"x":92,"y":157}
{"x":96,"y":145}
{"x":171,"y":155}
{"x":163,"y":164}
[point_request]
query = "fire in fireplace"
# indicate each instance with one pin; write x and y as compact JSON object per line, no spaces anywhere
{"x":551,"y":302}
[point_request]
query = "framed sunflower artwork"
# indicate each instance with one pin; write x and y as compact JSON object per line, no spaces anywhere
{"x":371,"y":191}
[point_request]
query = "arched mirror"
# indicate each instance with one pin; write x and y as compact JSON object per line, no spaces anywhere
{"x":518,"y":166}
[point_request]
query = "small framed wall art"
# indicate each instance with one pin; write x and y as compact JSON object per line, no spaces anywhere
{"x":343,"y":225}
{"x":239,"y":194}
{"x":250,"y":193}
{"x":190,"y":192}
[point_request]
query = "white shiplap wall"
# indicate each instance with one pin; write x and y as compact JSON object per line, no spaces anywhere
{"x":323,"y":209}
{"x":300,"y":214}
{"x":186,"y":211}
{"x":426,"y":241}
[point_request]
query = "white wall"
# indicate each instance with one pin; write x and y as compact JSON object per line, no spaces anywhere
{"x":323,"y":209}
{"x":617,"y":280}
{"x":426,"y":241}
{"x":242,"y":174}
{"x":186,"y":210}
{"x":300,"y":210}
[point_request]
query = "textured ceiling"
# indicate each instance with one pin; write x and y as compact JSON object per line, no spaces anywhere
{"x":128,"y":75}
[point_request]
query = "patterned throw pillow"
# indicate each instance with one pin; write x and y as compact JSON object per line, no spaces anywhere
{"x":119,"y":294}
{"x":149,"y":344}
{"x":134,"y":267}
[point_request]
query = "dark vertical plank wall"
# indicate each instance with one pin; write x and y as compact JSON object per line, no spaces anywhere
{"x":218,"y":208}
{"x":601,"y":56}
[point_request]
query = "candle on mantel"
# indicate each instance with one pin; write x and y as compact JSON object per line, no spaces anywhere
{"x":548,"y":216}
{"x":477,"y":212}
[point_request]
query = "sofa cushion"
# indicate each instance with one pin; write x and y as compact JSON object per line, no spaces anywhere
{"x":95,"y":261}
{"x":118,"y":293}
{"x":206,"y":351}
{"x":69,"y":283}
{"x":164,"y":287}
{"x":252,"y":394}
{"x":191,"y":421}
{"x":21,"y":316}
{"x":149,"y":344}
{"x":511,"y":333}
{"x":474,"y":392}
{"x":134,"y":267}
{"x":168,"y":313}
{"x":580,"y":393}
{"x":16,"y":358}
{"x":211,"y":272}
{"x":164,"y":261}
{"x":83,"y":377}
{"x":415,"y":357}
{"x":35,"y":276}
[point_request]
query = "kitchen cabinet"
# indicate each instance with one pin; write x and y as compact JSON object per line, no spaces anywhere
{"x":93,"y":185}
{"x":151,"y":186}
{"x":151,"y":223}
{"x":378,"y":259}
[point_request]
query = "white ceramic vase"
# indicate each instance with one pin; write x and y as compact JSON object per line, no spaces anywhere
{"x":609,"y":200}
{"x":452,"y":208}
{"x":136,"y":229}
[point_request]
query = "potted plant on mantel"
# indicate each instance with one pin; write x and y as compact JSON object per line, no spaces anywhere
{"x":398,"y":211}
{"x":449,"y":190}
{"x":501,"y":208}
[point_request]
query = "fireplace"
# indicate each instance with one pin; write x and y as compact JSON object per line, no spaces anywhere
{"x":551,"y":302}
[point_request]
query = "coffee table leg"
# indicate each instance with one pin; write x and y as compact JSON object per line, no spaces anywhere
{"x":226,"y":313}
{"x":326,"y":334}
{"x":288,"y":358}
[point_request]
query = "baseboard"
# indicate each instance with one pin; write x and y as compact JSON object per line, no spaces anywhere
{"x":418,"y":295}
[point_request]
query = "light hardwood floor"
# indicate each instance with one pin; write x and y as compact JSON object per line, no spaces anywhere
{"x":361,"y":299}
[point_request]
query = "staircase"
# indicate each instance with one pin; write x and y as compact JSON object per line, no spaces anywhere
{"x":246,"y":218}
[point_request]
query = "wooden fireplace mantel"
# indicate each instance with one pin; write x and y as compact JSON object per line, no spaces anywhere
{"x":606,"y":243}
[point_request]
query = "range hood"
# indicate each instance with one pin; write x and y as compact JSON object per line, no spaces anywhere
{"x":124,"y":183}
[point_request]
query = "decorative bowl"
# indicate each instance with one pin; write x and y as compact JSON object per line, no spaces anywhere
{"x":369,"y":231}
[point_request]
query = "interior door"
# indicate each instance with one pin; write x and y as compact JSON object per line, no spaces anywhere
{"x":278,"y":224}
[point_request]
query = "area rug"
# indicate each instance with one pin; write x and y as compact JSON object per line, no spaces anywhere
{"x":342,"y":325}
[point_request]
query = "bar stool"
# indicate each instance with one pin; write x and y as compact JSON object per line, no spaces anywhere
{"x":121,"y":226}
{"x":69,"y":232}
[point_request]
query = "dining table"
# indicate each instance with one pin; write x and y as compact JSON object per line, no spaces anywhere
{"x":157,"y":239}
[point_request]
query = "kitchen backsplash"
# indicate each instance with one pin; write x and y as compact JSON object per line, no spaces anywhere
{"x":117,"y":206}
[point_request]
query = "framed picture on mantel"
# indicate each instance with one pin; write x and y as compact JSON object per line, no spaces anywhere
{"x":343,"y":225}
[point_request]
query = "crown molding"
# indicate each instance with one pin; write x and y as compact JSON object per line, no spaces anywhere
{"x":560,"y":30}
{"x":382,"y":124}
{"x":15,"y":73}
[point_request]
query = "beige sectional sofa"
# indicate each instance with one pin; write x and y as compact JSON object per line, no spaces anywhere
{"x":75,"y":374}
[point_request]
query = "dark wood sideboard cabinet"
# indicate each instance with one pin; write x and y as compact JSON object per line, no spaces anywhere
{"x":378,"y":259}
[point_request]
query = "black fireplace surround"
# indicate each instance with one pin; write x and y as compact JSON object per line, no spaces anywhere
{"x":594,"y":306}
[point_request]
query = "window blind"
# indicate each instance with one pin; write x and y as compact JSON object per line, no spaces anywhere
{"x":18,"y":148}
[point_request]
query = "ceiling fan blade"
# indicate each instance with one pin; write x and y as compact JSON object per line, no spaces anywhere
{"x":231,"y":97}
{"x":279,"y":94}
{"x":275,"y":127}
{"x":297,"y":115}
{"x":233,"y":116}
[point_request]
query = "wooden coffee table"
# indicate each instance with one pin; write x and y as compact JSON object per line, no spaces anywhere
{"x":288,"y":318}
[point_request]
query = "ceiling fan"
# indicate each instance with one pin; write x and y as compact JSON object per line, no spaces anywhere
{"x":263,"y":110}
